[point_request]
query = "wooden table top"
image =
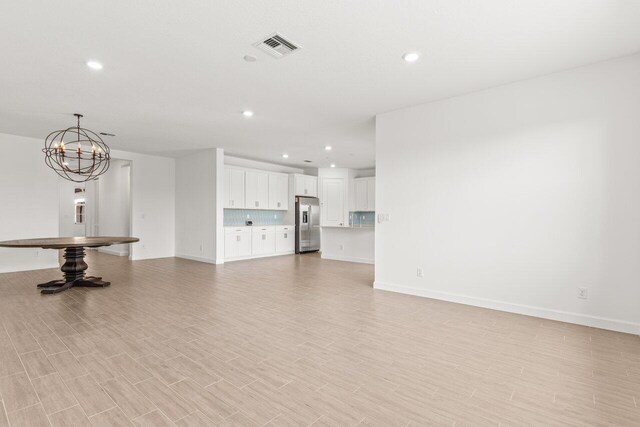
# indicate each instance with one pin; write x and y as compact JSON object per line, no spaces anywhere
{"x":68,"y":242}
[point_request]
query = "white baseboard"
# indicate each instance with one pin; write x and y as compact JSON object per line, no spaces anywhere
{"x":197,"y":258}
{"x":18,"y":268}
{"x":347,"y":258}
{"x":244,"y":258}
{"x":544,"y":313}
{"x":109,"y":251}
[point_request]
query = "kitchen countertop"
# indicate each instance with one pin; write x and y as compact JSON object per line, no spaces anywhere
{"x":258,"y":225}
{"x":357,"y":227}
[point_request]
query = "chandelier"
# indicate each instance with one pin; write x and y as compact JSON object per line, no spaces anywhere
{"x":76,"y":154}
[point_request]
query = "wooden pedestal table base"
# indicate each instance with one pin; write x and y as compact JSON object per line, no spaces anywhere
{"x":74,"y":266}
{"x":73,"y":270}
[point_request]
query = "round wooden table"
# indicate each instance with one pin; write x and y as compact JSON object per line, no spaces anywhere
{"x":74,"y":266}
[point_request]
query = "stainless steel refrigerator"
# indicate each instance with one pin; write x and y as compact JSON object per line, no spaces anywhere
{"x":307,"y":224}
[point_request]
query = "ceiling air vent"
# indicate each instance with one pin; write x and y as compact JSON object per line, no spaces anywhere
{"x":276,"y":45}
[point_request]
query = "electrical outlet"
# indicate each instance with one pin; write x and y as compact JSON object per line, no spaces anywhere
{"x":582,"y":293}
{"x":419,"y":272}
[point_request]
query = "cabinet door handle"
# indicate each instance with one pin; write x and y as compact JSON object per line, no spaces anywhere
{"x":285,"y":235}
{"x":231,"y":202}
{"x":257,"y":203}
{"x":305,"y":191}
{"x":264,"y":237}
{"x":278,"y":204}
{"x":237,"y":238}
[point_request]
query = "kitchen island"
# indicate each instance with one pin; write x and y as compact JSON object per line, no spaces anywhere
{"x":355,"y":243}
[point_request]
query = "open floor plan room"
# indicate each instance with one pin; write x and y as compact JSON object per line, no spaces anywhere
{"x":296,"y":341}
{"x":320,"y":213}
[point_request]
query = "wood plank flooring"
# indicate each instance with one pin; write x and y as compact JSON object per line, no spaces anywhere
{"x":293,"y":341}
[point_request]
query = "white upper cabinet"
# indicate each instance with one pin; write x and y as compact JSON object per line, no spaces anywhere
{"x":333,"y":202}
{"x":361,"y":194}
{"x":278,"y":191}
{"x":305,"y":185}
{"x":256,"y":190}
{"x":371,"y":194}
{"x":234,"y":188}
{"x":365,"y":194}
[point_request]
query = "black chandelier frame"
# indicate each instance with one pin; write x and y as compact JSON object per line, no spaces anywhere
{"x":82,"y":157}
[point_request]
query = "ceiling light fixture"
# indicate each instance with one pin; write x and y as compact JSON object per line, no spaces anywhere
{"x":81,"y":160}
{"x":411,"y":56}
{"x":327,"y":147}
{"x":94,"y":65}
{"x":250,"y":58}
{"x":333,"y":165}
{"x":285,"y":156}
{"x":247,"y":113}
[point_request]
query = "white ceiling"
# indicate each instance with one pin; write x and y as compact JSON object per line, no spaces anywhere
{"x":174,"y":78}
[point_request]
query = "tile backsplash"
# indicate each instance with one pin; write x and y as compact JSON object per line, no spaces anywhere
{"x":235,"y":217}
{"x":362,"y":218}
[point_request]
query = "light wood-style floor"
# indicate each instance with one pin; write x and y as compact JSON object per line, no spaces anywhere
{"x":293,"y":341}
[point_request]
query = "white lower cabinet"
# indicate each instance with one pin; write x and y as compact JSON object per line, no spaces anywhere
{"x":263,"y":240}
{"x":258,"y":241}
{"x":285,"y":239}
{"x":237,"y":242}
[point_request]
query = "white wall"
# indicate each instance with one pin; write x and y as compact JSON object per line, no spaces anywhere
{"x":28,"y":203}
{"x":113,"y":206}
{"x":29,"y":196}
{"x":199,"y":194}
{"x":514,"y":197}
{"x":152,"y":204}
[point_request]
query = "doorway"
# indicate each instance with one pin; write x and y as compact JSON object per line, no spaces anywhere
{"x":100,"y":207}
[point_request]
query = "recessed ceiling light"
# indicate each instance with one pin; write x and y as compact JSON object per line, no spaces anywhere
{"x":411,"y":56}
{"x":247,"y":113}
{"x":327,"y":147}
{"x":94,"y":65}
{"x":333,"y":165}
{"x":250,"y":58}
{"x":285,"y":156}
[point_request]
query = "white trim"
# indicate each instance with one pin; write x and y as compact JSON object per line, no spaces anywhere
{"x":544,"y":313}
{"x":113,"y":252}
{"x":219,"y":261}
{"x":244,"y":258}
{"x":196,"y":258}
{"x":347,"y":258}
